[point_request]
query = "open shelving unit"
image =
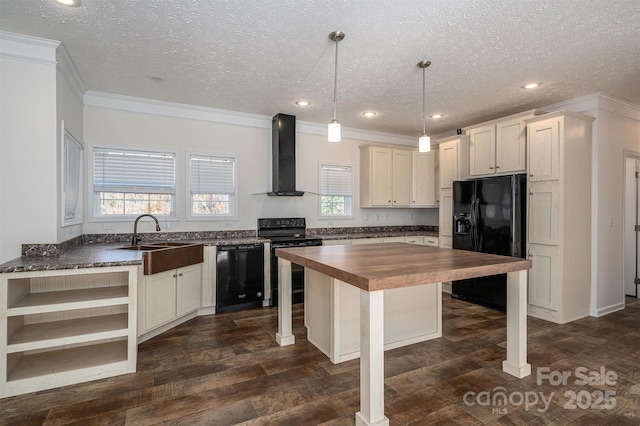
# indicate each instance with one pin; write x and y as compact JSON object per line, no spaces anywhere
{"x":66,"y":326}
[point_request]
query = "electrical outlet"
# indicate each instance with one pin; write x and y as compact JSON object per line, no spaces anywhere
{"x":108,"y":226}
{"x":610,"y":221}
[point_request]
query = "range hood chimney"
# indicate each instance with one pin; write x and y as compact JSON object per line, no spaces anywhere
{"x":283,"y":153}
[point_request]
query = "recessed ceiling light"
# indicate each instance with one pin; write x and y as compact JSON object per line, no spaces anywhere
{"x":69,"y":3}
{"x":302,"y":103}
{"x":369,"y":114}
{"x":530,"y":86}
{"x":436,"y":116}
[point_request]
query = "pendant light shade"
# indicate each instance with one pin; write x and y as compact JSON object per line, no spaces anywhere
{"x":334,"y":127}
{"x":334,"y":131}
{"x":424,"y":143}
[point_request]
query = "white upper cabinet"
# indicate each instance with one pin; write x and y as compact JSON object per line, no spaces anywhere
{"x":454,"y":163}
{"x":482,"y":150}
{"x":385,"y":176}
{"x":401,"y":178}
{"x":544,"y":154}
{"x":423,"y":183}
{"x":499,"y":146}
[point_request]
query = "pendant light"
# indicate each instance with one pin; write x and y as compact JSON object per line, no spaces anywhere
{"x":334,"y":126}
{"x":424,"y":143}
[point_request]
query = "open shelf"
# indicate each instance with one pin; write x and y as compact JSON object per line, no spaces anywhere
{"x":58,"y":333}
{"x":54,"y":301}
{"x":63,"y":327}
{"x":40,"y":365}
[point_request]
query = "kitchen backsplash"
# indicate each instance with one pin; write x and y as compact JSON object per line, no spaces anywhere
{"x":52,"y":250}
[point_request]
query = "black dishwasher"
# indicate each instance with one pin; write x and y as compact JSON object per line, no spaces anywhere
{"x":239,"y":277}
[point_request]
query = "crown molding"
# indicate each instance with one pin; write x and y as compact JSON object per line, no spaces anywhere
{"x":193,"y":112}
{"x":598,"y":101}
{"x":27,"y":48}
{"x":70,"y":73}
{"x":171,"y":109}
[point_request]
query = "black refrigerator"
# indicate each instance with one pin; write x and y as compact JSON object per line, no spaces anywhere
{"x":489,"y":217}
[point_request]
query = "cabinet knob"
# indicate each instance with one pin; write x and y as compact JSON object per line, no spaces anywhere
{"x":180,"y":274}
{"x":531,"y":175}
{"x":497,"y":167}
{"x":530,"y":255}
{"x":531,"y":193}
{"x":490,"y":168}
{"x":174,"y":275}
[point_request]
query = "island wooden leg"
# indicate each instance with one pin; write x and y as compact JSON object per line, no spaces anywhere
{"x":371,"y":360}
{"x":516,"y":363}
{"x":284,"y":336}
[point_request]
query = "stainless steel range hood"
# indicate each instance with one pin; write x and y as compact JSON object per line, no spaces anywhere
{"x":283,"y":153}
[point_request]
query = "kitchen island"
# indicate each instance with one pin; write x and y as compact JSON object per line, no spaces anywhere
{"x":375,"y":268}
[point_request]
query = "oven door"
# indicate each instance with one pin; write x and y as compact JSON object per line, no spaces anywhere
{"x":297,"y":273}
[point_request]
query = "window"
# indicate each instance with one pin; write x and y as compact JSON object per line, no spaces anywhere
{"x":212,"y":186}
{"x":127,"y":183}
{"x":72,"y":180}
{"x":336,"y":190}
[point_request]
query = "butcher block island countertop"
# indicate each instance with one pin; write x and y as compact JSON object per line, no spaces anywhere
{"x":385,"y":266}
{"x":376,"y":269}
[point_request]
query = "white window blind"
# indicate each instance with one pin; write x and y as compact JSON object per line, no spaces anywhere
{"x":212,"y":175}
{"x":133,"y":171}
{"x":336,"y":180}
{"x":72,"y":177}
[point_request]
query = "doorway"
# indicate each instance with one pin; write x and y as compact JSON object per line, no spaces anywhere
{"x":631,"y":226}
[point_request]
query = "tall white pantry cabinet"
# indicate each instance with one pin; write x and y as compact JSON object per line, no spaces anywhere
{"x":559,"y":215}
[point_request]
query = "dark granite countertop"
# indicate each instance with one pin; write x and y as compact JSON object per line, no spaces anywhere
{"x":101,"y":255}
{"x":105,"y":254}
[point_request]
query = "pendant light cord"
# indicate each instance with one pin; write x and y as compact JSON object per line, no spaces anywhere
{"x":424,"y":117}
{"x":335,"y":84}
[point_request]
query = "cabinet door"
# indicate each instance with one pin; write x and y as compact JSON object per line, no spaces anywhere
{"x":511,"y":147}
{"x":544,"y":150}
{"x":159,"y":299}
{"x":446,"y":212}
{"x":543,"y":276}
{"x":381,"y":176}
{"x":423,"y":179}
{"x":401,"y":182}
{"x":544,"y":213}
{"x":482,"y":150}
{"x":448,"y":164}
{"x":189,"y":285}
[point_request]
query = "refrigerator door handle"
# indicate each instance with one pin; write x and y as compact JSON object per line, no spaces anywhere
{"x":474,"y":225}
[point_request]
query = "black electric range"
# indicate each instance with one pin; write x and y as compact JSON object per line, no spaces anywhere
{"x":286,"y":232}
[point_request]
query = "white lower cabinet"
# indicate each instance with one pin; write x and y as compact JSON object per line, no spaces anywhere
{"x":188,"y":285}
{"x":543,"y":276}
{"x":168,"y":296}
{"x":332,"y":316}
{"x":446,"y":212}
{"x":59,"y":328}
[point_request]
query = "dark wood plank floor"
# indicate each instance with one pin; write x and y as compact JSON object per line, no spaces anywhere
{"x":227,"y":369}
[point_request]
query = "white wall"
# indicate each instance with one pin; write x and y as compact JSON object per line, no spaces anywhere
{"x":69,"y":114}
{"x":250,"y":143}
{"x":28,"y":141}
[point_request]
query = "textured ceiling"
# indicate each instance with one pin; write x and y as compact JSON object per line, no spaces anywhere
{"x":260,"y":56}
